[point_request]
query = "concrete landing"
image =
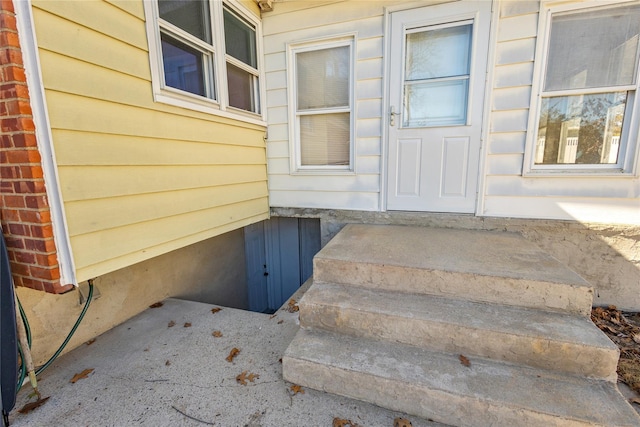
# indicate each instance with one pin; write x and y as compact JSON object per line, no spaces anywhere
{"x":438,"y":386}
{"x":146,"y":372}
{"x":458,"y":263}
{"x":558,"y":341}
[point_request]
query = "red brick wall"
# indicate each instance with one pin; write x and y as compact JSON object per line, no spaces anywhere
{"x":24,"y":209}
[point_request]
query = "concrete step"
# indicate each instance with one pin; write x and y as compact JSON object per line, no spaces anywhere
{"x":437,"y":386}
{"x":559,"y":341}
{"x":482,"y":266}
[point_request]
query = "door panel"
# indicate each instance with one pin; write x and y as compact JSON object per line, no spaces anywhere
{"x":438,"y":61}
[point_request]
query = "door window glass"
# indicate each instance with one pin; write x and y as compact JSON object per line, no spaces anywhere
{"x":437,"y":71}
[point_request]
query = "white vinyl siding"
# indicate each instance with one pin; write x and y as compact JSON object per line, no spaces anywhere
{"x":509,"y":193}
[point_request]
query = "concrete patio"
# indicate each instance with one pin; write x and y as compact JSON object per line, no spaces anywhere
{"x":146,"y":373}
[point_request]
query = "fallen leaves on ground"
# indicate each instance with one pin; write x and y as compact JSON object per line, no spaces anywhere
{"x":156,"y":305}
{"x":91,"y":341}
{"x":171,"y":324}
{"x":402,"y":422}
{"x":215,"y":310}
{"x":464,"y":361}
{"x":232,"y":354}
{"x":280,"y":322}
{"x":217,"y":334}
{"x":82,"y":375}
{"x":273,"y":315}
{"x":33,"y":405}
{"x":624,"y":330}
{"x":187,"y":324}
{"x":340,"y":422}
{"x":292,"y":306}
{"x":167,"y":363}
{"x":244,"y":377}
{"x":297,"y":389}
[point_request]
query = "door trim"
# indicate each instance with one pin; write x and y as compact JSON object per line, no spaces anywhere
{"x":488,"y":97}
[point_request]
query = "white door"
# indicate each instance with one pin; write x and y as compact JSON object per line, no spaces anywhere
{"x":438,"y":60}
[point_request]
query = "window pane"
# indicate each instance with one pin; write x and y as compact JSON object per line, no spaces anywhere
{"x":323,"y":78}
{"x":189,"y":15}
{"x":241,"y":88}
{"x":597,"y":48}
{"x":442,"y":103}
{"x":240,"y":39}
{"x":325,"y":139}
{"x":438,"y":53}
{"x":582,"y":129}
{"x":183,"y":66}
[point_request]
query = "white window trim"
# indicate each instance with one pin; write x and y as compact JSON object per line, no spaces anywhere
{"x":219,"y":107}
{"x":629,"y":149}
{"x":296,"y":168}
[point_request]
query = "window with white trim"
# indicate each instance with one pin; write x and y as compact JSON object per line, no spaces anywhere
{"x":321,"y":74}
{"x":205,"y":55}
{"x":587,"y":105}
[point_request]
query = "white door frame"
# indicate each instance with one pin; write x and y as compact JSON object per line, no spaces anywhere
{"x":488,"y":96}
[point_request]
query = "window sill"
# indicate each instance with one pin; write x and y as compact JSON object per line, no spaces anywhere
{"x":204,"y":105}
{"x":586,"y":173}
{"x":327,"y":172}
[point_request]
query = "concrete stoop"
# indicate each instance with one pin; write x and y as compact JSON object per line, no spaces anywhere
{"x":467,"y":328}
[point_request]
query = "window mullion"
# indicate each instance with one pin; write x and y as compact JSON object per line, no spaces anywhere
{"x":184,"y":36}
{"x":236,"y":62}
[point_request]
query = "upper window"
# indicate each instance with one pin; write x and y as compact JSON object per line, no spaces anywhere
{"x":205,"y":55}
{"x":587,"y":98}
{"x":322,"y":100}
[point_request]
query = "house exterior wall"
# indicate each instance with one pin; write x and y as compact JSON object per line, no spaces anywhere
{"x":25,"y":215}
{"x":504,"y":190}
{"x":138,"y":178}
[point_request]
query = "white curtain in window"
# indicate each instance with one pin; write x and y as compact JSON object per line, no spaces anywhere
{"x":325,"y":139}
{"x":323,"y":78}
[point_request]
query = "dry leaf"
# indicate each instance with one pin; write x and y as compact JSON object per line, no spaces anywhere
{"x":280,"y":322}
{"x":217,"y":334}
{"x":232,"y":354}
{"x":167,"y":363}
{"x":187,"y":324}
{"x":635,"y":400}
{"x":156,"y":305}
{"x":292,"y":306}
{"x":33,"y":405}
{"x":243,"y":377}
{"x":297,"y":389}
{"x":636,"y":338}
{"x":402,"y":422}
{"x":171,"y":324}
{"x":215,"y":310}
{"x":464,"y":361}
{"x":272,"y":316}
{"x":91,"y":341}
{"x":81,"y":375}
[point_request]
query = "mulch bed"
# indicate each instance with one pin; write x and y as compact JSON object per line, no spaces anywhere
{"x":623,"y":328}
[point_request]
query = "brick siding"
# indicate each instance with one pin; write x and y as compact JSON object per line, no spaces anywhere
{"x":24,"y":209}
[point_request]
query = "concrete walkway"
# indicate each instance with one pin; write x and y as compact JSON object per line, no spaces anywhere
{"x":146,"y":373}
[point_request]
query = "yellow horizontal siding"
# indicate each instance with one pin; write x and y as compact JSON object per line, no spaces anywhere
{"x":74,"y":147}
{"x":88,"y":272}
{"x":152,"y":206}
{"x":93,"y":248}
{"x":138,"y":178}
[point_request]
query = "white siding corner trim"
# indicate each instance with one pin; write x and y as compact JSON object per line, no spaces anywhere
{"x":33,"y":72}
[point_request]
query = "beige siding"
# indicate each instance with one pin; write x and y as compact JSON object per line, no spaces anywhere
{"x":507,"y":192}
{"x":138,"y":178}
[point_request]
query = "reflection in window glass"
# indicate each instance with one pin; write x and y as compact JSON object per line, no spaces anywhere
{"x":323,"y":78}
{"x":191,"y":16}
{"x":581,"y":129}
{"x":240,"y":39}
{"x":183,"y":66}
{"x":438,"y":53}
{"x":241,"y":88}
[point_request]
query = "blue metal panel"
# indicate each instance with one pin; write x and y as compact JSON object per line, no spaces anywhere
{"x":254,"y":246}
{"x":283,"y":260}
{"x":309,"y":231}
